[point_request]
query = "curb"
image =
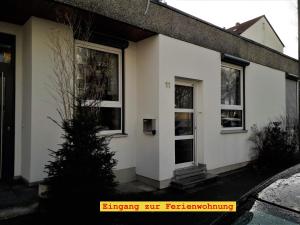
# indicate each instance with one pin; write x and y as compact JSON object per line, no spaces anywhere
{"x":13,"y":212}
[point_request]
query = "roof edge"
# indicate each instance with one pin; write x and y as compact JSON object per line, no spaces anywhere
{"x":250,"y":22}
{"x":221,"y":29}
{"x":166,"y":20}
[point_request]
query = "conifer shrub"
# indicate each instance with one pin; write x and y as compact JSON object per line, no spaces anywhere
{"x":276,"y":145}
{"x":84,"y":163}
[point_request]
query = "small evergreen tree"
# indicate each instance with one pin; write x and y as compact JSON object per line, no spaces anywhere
{"x":84,"y":163}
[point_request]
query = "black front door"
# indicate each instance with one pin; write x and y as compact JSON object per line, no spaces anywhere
{"x":7,"y":102}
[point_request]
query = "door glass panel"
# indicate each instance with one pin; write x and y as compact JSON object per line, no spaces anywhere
{"x":184,"y":150}
{"x":183,"y":97}
{"x":5,"y":54}
{"x":183,"y":123}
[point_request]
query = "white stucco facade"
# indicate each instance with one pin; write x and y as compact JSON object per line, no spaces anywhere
{"x":44,"y":133}
{"x":263,"y":33}
{"x":151,"y":68}
{"x":182,"y":60}
{"x":148,"y":108}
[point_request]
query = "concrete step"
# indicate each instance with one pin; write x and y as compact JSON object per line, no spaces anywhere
{"x":189,"y":172}
{"x":193,"y":181}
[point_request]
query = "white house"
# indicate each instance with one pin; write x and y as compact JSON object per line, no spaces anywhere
{"x":182,"y":91}
{"x":259,"y":30}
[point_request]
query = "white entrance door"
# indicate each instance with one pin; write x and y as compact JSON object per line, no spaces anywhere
{"x":184,"y":124}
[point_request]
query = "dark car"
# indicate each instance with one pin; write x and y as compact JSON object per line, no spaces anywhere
{"x":274,"y":202}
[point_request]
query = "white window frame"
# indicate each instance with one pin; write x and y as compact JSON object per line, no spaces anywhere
{"x":234,"y":107}
{"x":187,"y":83}
{"x":107,"y":104}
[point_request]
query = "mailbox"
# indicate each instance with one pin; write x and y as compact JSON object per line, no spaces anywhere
{"x":149,"y":126}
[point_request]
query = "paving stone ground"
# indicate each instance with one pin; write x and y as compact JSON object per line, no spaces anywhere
{"x":230,"y":186}
{"x":17,"y":199}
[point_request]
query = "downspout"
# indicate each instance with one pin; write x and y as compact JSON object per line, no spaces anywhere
{"x":147,"y":7}
{"x":298,"y":5}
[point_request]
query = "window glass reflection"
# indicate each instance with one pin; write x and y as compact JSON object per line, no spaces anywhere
{"x":231,"y":118}
{"x":98,"y":74}
{"x":230,"y":86}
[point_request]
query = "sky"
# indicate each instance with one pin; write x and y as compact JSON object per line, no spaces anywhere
{"x":282,"y":14}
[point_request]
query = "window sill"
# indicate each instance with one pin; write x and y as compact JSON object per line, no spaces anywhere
{"x":121,"y":135}
{"x":117,"y":135}
{"x":233,"y":131}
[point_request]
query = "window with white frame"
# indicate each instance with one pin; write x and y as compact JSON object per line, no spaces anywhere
{"x":99,"y":76}
{"x":231,"y":97}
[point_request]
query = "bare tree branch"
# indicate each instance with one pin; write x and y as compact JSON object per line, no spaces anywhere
{"x":64,"y":85}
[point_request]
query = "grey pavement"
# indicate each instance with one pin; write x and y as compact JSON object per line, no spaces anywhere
{"x":17,"y":199}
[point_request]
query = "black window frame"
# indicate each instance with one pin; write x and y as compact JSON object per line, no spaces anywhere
{"x":236,"y":62}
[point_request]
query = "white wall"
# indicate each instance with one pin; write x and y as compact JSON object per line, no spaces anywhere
{"x":17,"y":31}
{"x":147,"y":105}
{"x":150,"y":65}
{"x":181,"y":59}
{"x":265,"y":100}
{"x":125,"y":147}
{"x":262,"y":33}
{"x":44,"y":133}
